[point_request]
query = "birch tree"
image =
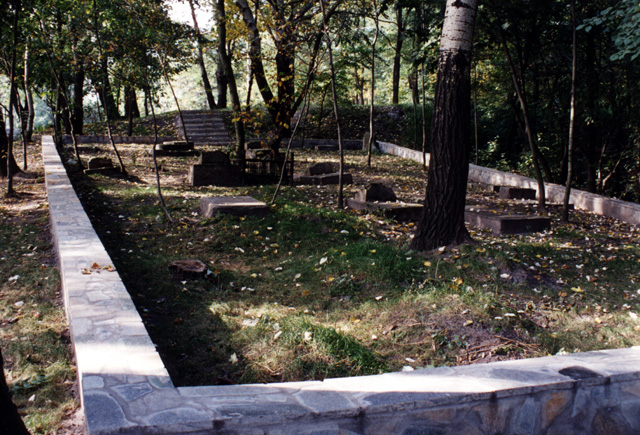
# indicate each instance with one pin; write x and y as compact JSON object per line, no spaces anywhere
{"x":442,"y":219}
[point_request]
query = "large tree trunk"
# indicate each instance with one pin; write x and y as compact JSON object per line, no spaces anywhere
{"x":203,"y":71}
{"x":395,"y":81}
{"x":442,"y":219}
{"x":10,"y":421}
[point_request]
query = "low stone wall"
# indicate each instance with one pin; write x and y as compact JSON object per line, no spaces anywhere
{"x":148,"y":140}
{"x":625,"y":211}
{"x":125,"y":388}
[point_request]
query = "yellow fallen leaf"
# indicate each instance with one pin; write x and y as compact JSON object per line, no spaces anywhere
{"x":85,"y":271}
{"x":427,"y":263}
{"x":468,"y":323}
{"x":577,"y":289}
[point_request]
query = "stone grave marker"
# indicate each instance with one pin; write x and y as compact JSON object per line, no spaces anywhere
{"x":505,"y":223}
{"x":214,"y":169}
{"x":176,"y":148}
{"x":323,"y":174}
{"x":378,"y":197}
{"x":100,"y":165}
{"x":233,"y":205}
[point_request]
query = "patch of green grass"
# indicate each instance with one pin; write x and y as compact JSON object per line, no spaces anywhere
{"x":33,"y":329}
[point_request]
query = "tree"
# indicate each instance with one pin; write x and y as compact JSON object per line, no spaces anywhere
{"x":292,"y":24}
{"x":442,"y":219}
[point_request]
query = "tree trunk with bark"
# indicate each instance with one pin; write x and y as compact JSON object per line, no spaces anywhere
{"x":442,"y":219}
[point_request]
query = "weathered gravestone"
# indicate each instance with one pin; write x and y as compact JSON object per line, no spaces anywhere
{"x":321,"y":168}
{"x":233,"y":205}
{"x":176,"y":149}
{"x":505,"y":223}
{"x":100,"y":165}
{"x":214,"y":169}
{"x":380,"y":198}
{"x":322,"y":174}
{"x":376,"y":192}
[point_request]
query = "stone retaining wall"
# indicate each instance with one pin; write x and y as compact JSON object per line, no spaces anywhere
{"x":625,"y":211}
{"x":125,"y":388}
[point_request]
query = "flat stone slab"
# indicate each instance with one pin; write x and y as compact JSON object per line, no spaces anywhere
{"x":510,"y":192}
{"x":505,"y":223}
{"x":400,"y":211}
{"x":233,"y":205}
{"x":322,"y":179}
{"x":176,"y":146}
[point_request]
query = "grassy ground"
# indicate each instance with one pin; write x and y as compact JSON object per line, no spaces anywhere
{"x":312,"y":292}
{"x":33,"y":328}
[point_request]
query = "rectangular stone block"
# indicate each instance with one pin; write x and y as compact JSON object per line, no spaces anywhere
{"x":233,"y":205}
{"x":399,"y":211}
{"x":176,"y":146}
{"x":509,"y":192}
{"x":506,"y":224}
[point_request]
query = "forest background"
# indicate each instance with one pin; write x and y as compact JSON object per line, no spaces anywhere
{"x":74,"y":62}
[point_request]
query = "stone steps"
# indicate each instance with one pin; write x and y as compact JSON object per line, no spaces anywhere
{"x":203,"y":127}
